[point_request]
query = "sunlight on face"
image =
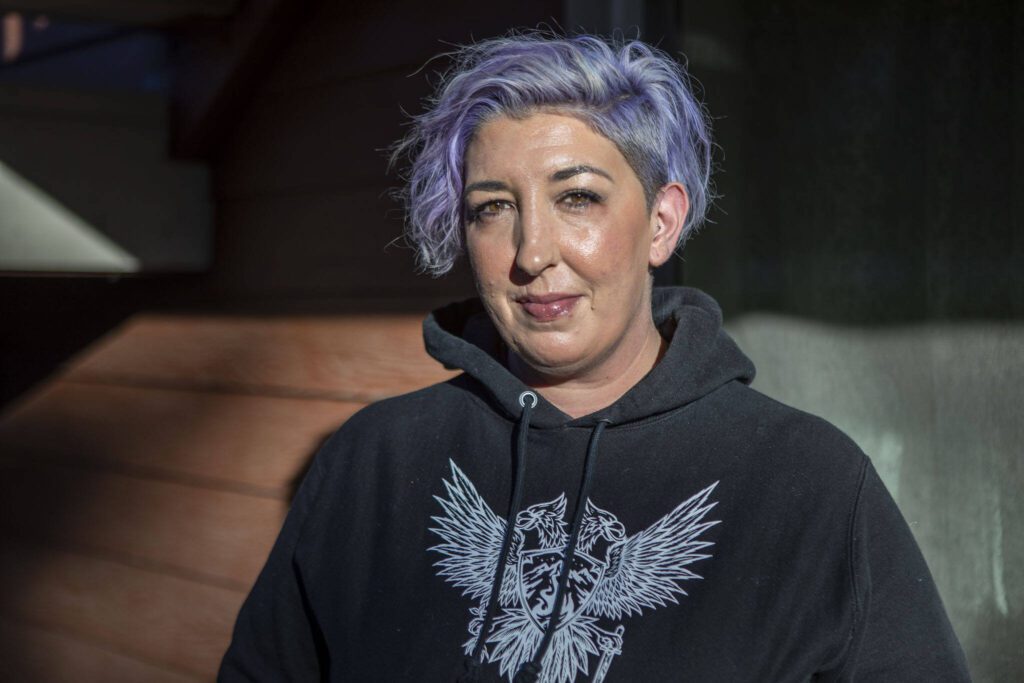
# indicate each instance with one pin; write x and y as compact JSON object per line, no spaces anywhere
{"x":560,"y":241}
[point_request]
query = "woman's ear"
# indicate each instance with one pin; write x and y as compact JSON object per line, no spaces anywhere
{"x":668,"y":215}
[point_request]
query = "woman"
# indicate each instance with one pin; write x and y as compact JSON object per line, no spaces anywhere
{"x":600,"y":495}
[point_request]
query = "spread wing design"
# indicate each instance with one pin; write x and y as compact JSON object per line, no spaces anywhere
{"x":472,"y":536}
{"x":644,"y":571}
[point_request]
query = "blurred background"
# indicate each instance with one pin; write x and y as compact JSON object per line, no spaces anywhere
{"x":201,"y":277}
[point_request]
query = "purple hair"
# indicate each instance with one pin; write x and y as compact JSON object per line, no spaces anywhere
{"x":631,"y":93}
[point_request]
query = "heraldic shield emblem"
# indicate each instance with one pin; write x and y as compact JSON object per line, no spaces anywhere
{"x":614,"y":575}
{"x":539,"y":570}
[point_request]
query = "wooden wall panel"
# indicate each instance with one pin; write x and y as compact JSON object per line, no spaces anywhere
{"x":354,"y":358}
{"x":214,"y":537}
{"x":142,"y":487}
{"x":175,"y":623}
{"x":32,"y":654}
{"x":237,"y":442}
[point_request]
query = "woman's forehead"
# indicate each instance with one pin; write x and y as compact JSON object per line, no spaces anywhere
{"x":543,"y":143}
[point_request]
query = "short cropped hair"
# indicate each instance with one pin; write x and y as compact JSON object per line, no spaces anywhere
{"x":631,"y":93}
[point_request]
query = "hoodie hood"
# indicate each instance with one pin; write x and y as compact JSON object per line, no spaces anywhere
{"x":701,"y":357}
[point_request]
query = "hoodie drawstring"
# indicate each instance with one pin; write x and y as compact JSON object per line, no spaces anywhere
{"x":529,"y":672}
{"x":528,"y":400}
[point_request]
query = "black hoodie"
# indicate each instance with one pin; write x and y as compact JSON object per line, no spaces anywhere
{"x":722,"y":536}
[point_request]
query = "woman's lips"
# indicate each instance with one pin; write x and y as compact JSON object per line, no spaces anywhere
{"x":548,"y":306}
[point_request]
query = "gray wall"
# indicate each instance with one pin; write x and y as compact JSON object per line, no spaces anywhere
{"x":868,"y":254}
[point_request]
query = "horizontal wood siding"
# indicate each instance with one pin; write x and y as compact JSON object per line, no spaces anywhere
{"x":361,"y":358}
{"x":142,"y":488}
{"x":31,"y":653}
{"x":260,"y":441}
{"x":178,"y":624}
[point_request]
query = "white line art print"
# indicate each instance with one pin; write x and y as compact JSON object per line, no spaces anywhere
{"x":614,"y":575}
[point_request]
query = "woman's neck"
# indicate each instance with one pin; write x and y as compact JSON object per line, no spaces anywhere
{"x":582,"y":395}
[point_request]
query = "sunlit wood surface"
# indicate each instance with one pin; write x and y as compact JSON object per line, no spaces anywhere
{"x":143,"y":486}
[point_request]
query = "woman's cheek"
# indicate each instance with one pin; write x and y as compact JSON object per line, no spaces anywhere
{"x":604,"y":252}
{"x":586,"y":244}
{"x":482,"y":263}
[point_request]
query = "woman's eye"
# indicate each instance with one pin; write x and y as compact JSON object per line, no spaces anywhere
{"x":579,"y":199}
{"x":488,"y":210}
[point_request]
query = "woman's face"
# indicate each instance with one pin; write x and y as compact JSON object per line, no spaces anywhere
{"x":560,"y":241}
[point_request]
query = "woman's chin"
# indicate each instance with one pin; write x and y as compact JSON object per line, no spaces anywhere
{"x":548,"y":364}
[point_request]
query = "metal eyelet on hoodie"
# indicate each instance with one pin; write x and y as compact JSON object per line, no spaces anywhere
{"x":525,"y":395}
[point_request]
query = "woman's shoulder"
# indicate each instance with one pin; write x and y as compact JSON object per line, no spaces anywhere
{"x":410,"y":410}
{"x":784,"y":425}
{"x":785,"y":443}
{"x":388,"y":433}
{"x":397,"y":422}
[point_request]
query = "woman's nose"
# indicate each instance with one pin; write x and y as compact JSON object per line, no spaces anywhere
{"x":537,"y":249}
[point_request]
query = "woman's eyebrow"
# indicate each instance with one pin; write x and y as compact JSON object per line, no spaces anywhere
{"x":485,"y":186}
{"x":566,"y":173}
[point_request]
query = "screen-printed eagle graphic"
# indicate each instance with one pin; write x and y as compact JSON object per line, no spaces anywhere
{"x":633,"y":573}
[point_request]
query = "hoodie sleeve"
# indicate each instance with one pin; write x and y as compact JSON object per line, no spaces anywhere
{"x":276,"y":637}
{"x":901,"y":631}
